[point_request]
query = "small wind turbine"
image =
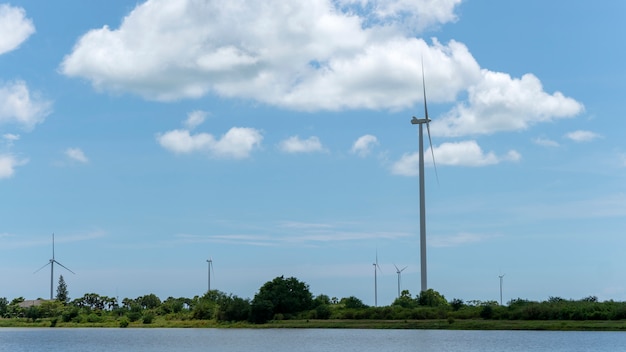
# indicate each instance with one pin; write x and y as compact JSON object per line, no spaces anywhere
{"x":51,"y":263}
{"x":210,"y":268}
{"x":501,"y":277}
{"x":376,"y":268}
{"x":399,"y":272}
{"x":420,"y":122}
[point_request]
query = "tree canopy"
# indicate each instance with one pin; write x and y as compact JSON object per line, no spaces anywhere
{"x":287,"y":296}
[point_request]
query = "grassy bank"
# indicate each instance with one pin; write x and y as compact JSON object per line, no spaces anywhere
{"x":434,"y":324}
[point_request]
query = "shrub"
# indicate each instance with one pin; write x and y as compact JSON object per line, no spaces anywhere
{"x":124,"y":323}
{"x":148,"y":318}
{"x":322,"y":311}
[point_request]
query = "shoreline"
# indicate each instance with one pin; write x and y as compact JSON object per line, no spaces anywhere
{"x":434,"y":324}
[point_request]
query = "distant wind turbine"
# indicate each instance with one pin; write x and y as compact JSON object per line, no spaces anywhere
{"x":51,"y":263}
{"x":399,"y":272}
{"x":376,"y":268}
{"x":210,"y":268}
{"x":501,"y":277}
{"x":420,"y":122}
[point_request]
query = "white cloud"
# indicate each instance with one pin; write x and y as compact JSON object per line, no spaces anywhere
{"x":76,"y":154}
{"x":10,"y":138}
{"x":310,"y":55}
{"x":296,"y":145}
{"x":582,"y":136}
{"x":15,"y":28}
{"x":305,"y":55}
{"x":195,"y":119}
{"x":498,"y":102}
{"x":545,"y":142}
{"x":410,"y":14}
{"x":363,"y":146}
{"x":18,"y":106}
{"x":8,"y":163}
{"x":465,"y":153}
{"x":237,"y":143}
{"x":458,"y":239}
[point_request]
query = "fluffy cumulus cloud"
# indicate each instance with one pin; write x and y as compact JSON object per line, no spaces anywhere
{"x":18,"y":106}
{"x":236,"y":143}
{"x":464,"y":153}
{"x":8,"y":163}
{"x":304,"y":55}
{"x":309,"y":55}
{"x":498,"y":103}
{"x":295,"y":144}
{"x":76,"y":154}
{"x":363,"y":146}
{"x":15,"y":28}
{"x":582,"y":136}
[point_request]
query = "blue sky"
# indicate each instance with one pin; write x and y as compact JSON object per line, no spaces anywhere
{"x":275,"y":138}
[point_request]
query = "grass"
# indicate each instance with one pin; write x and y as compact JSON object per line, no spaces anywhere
{"x":434,"y":324}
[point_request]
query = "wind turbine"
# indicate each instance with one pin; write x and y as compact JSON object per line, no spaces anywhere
{"x":376,"y":268}
{"x":501,"y":277}
{"x":420,"y":122}
{"x":210,"y":268}
{"x":399,"y":272}
{"x":51,"y":263}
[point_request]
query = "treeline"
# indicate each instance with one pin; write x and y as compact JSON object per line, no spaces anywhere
{"x":289,"y":298}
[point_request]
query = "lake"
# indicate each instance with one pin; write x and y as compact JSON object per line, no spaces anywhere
{"x":303,"y":340}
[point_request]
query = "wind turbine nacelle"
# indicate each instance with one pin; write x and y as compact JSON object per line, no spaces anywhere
{"x":416,"y":121}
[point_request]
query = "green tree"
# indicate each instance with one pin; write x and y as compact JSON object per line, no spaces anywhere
{"x":234,"y":308}
{"x":431,"y":298}
{"x":457,"y":304}
{"x":352,"y":302}
{"x":321,"y":300}
{"x":4,"y":304}
{"x":172,"y":305}
{"x":288,"y":296}
{"x":405,"y":300}
{"x":62,"y":293}
{"x":33,"y":313}
{"x":261,"y":311}
{"x":150,"y":301}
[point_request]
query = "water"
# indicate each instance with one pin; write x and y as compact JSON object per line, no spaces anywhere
{"x":303,"y":340}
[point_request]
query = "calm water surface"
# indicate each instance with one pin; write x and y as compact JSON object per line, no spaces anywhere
{"x":283,"y":340}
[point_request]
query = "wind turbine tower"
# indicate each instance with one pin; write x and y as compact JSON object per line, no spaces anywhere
{"x":210,"y":268}
{"x":420,"y":122}
{"x":399,"y":272}
{"x":376,"y":268}
{"x":51,"y":262}
{"x":501,"y":277}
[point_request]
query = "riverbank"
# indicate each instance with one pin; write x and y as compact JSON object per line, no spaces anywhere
{"x":432,"y":324}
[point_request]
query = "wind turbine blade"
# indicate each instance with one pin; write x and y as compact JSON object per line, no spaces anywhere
{"x":53,"y":246}
{"x":36,"y":271}
{"x":397,"y":270}
{"x":430,"y":141}
{"x":432,"y":151}
{"x":64,"y":267}
{"x":403,"y":268}
{"x":424,"y":89}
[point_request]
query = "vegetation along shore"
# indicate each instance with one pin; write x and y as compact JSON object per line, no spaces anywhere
{"x":288,"y":303}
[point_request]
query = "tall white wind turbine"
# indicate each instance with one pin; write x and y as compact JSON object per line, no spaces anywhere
{"x":51,"y":262}
{"x":399,"y":272}
{"x":420,"y":122}
{"x":376,"y":268}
